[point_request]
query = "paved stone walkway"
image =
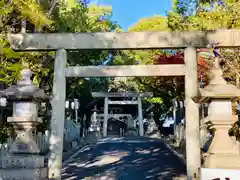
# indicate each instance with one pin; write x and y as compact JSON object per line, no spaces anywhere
{"x":124,"y":159}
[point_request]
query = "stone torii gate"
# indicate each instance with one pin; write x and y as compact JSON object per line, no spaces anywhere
{"x":122,"y":94}
{"x":61,"y":42}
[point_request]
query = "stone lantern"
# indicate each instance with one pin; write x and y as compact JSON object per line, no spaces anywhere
{"x":152,"y":130}
{"x":24,"y":161}
{"x":94,"y":129}
{"x":223,"y":151}
{"x":94,"y":121}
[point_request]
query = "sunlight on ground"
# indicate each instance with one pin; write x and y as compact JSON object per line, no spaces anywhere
{"x":148,"y":151}
{"x":107,"y":158}
{"x":156,"y":150}
{"x":109,"y":175}
{"x":72,"y":178}
{"x":125,"y":159}
{"x":143,"y":151}
{"x":104,"y":160}
{"x":116,"y":153}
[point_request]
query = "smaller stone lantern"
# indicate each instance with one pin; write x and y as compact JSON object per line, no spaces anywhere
{"x":94,"y":129}
{"x":24,"y":162}
{"x":152,"y":130}
{"x":223,"y":151}
{"x":95,"y":126}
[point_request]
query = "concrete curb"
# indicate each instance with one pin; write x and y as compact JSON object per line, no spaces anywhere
{"x":175,"y":153}
{"x":75,"y":154}
{"x":69,"y":159}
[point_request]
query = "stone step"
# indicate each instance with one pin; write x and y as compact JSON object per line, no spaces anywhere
{"x":21,"y":161}
{"x":23,"y":174}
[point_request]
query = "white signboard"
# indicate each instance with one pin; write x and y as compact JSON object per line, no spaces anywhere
{"x":219,"y":174}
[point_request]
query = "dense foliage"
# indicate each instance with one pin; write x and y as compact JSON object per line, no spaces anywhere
{"x":79,"y":16}
{"x":185,"y":15}
{"x":49,"y":16}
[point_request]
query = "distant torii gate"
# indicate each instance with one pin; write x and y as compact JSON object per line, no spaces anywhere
{"x":107,"y":95}
{"x":60,"y":42}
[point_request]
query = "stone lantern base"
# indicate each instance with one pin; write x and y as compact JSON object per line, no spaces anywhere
{"x":152,"y":130}
{"x":222,"y":161}
{"x":25,"y":127}
{"x":24,"y":161}
{"x":23,"y":167}
{"x":94,"y":133}
{"x":19,"y":167}
{"x":223,"y":152}
{"x":94,"y":136}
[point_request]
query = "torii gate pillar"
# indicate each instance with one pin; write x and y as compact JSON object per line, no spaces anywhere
{"x":192,"y":114}
{"x":140,"y":117}
{"x":105,"y":122}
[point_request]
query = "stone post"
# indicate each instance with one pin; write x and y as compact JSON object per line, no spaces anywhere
{"x":175,"y":106}
{"x":192,"y":114}
{"x":76,"y":108}
{"x":223,"y":151}
{"x":58,"y":116}
{"x":140,"y":117}
{"x":179,"y":124}
{"x":3,"y":104}
{"x":105,"y":122}
{"x":24,"y":161}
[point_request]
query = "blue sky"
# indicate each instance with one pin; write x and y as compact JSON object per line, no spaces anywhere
{"x":127,"y":12}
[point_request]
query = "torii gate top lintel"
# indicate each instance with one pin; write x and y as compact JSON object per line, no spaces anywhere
{"x":123,"y":40}
{"x":122,"y":94}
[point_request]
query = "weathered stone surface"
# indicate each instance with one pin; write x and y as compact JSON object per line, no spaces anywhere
{"x":132,"y":40}
{"x":121,"y":94}
{"x":58,"y":115}
{"x":25,"y":128}
{"x":192,"y":114}
{"x":23,"y":174}
{"x":223,"y":151}
{"x":222,"y":161}
{"x":22,"y":161}
{"x":126,"y":71}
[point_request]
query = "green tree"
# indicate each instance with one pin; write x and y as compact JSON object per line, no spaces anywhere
{"x":49,"y":17}
{"x":12,"y":14}
{"x":212,"y":15}
{"x":164,"y":88}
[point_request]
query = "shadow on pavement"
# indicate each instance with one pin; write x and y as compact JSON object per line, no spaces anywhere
{"x":125,"y":159}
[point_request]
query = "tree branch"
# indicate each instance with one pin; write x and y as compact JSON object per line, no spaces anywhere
{"x":53,"y":5}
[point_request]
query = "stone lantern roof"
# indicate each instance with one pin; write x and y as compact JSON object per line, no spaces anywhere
{"x":218,"y":88}
{"x":25,"y":89}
